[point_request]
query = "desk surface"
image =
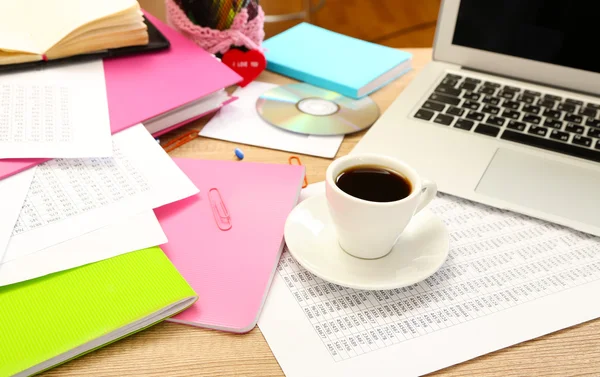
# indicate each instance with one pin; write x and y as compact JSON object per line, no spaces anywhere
{"x":169,"y":349}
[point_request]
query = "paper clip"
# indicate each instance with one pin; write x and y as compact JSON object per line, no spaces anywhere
{"x":220,"y":212}
{"x":297,"y":159}
{"x":179,"y":141}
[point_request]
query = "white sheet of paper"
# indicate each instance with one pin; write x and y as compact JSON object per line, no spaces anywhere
{"x":13,"y":191}
{"x":71,"y":197}
{"x":508,"y":279}
{"x":129,"y":234}
{"x":240,"y":123}
{"x":55,"y":112}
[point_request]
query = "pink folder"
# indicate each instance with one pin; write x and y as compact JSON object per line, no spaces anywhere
{"x":226,"y":241}
{"x":140,"y":87}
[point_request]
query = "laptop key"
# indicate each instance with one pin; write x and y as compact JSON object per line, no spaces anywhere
{"x":553,"y":123}
{"x":514,"y":125}
{"x":598,"y":145}
{"x":532,"y":93}
{"x":568,"y":107}
{"x":487,"y":90}
{"x":574,"y":101}
{"x":511,"y":105}
{"x":453,"y":76}
{"x":468,"y":86}
{"x":525,"y":98}
{"x":455,"y":111}
{"x":487,"y":130}
{"x":464,"y":124}
{"x":444,"y":99}
{"x":574,"y":118}
{"x":588,"y":111}
{"x":472,"y":80}
{"x":529,"y":118}
{"x":573,"y":128}
{"x":552,"y":97}
{"x":472,"y":96}
{"x":593,"y":106}
{"x":594,"y":132}
{"x":511,"y":88}
{"x":551,"y":145}
{"x":546,"y":103}
{"x":491,"y":100}
{"x":531,"y":109}
{"x":424,"y":114}
{"x":474,"y":115}
{"x":582,"y":140}
{"x":446,"y":120}
{"x":450,"y":82}
{"x":490,"y":109}
{"x":537,"y":130}
{"x":492,"y":84}
{"x":433,"y":106}
{"x":593,"y":123}
{"x":471,"y":105}
{"x":445,"y":89}
{"x":506,"y":94}
{"x":494,"y":120}
{"x":552,"y":113}
{"x":511,"y":114}
{"x":560,"y":135}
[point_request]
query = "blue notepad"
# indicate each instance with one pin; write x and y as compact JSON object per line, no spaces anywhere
{"x":349,"y":66}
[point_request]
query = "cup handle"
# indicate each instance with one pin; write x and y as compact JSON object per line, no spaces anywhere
{"x":428,"y":192}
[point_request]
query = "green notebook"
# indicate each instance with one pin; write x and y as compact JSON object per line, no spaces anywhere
{"x":47,"y":321}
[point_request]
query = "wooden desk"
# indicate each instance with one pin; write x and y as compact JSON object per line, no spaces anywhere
{"x":169,"y":349}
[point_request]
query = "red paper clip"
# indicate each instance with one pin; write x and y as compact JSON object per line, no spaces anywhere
{"x":179,"y":141}
{"x":220,"y":212}
{"x":290,"y":160}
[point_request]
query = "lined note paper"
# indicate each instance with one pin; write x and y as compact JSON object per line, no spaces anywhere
{"x":508,"y":278}
{"x":70,"y":197}
{"x":55,"y":112}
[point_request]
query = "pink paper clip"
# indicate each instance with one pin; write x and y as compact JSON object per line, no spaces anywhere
{"x":220,"y":212}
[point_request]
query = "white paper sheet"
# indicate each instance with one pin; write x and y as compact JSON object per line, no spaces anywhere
{"x":13,"y":191}
{"x":128,"y":234}
{"x":240,"y":123}
{"x":508,"y":279}
{"x":55,"y":112}
{"x":71,"y":197}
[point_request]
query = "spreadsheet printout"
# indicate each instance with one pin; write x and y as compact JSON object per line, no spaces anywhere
{"x":55,"y":112}
{"x":70,"y":197}
{"x":508,"y":278}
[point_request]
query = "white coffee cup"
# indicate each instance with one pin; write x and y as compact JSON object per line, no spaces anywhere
{"x":367,"y":229}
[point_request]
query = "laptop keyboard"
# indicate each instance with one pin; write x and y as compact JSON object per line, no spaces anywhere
{"x":537,"y":119}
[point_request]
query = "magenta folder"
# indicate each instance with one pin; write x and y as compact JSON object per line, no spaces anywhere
{"x":226,"y":241}
{"x":140,"y":87}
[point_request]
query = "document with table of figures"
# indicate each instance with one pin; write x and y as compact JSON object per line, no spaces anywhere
{"x":55,"y":112}
{"x":71,"y":197}
{"x":508,"y":278}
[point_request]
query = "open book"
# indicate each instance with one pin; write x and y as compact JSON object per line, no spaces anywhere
{"x":34,"y":30}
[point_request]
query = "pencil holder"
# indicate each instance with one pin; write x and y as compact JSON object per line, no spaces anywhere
{"x":217,"y":26}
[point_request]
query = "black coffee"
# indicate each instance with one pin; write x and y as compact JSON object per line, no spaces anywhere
{"x":374,"y":183}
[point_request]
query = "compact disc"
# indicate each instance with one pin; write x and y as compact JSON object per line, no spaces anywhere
{"x":306,"y":109}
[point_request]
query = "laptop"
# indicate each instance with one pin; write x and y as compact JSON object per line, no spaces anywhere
{"x":508,"y":112}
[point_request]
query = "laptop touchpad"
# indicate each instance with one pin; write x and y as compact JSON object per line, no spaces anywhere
{"x":545,"y":185}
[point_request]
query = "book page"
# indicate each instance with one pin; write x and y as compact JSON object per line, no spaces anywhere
{"x":508,"y":278}
{"x":128,"y":234}
{"x":71,"y":197}
{"x":40,"y":24}
{"x":58,"y":112}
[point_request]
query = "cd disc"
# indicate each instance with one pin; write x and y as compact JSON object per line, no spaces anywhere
{"x":306,"y":109}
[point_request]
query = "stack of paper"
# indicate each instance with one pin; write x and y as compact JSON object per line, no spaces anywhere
{"x":66,"y":213}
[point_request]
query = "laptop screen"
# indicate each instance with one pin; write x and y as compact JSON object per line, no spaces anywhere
{"x":561,"y":32}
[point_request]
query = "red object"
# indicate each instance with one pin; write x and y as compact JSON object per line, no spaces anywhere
{"x":246,"y":64}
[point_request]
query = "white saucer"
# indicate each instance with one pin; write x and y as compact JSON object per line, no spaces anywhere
{"x":419,"y":253}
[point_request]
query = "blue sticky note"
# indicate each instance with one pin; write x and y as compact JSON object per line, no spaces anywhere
{"x":349,"y":66}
